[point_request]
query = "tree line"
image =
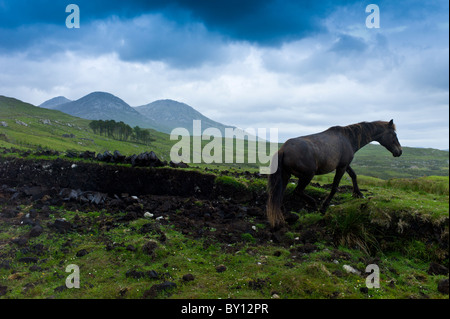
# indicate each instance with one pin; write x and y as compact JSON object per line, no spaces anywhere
{"x":120,"y":131}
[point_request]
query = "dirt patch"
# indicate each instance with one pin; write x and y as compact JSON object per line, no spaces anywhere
{"x":190,"y":200}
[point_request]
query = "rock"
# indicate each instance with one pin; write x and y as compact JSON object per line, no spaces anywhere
{"x":21,"y":123}
{"x":221,"y":268}
{"x":152,"y":274}
{"x":437,"y":269}
{"x":275,"y":296}
{"x":188,"y":277}
{"x":134,"y":274}
{"x":443,"y":286}
{"x":145,"y":160}
{"x":178,"y":165}
{"x":108,"y":157}
{"x":36,"y":231}
{"x":4,"y":124}
{"x":27,"y":222}
{"x":351,"y":270}
{"x":156,"y":289}
{"x":148,"y":215}
{"x":87,"y":155}
{"x":118,"y":158}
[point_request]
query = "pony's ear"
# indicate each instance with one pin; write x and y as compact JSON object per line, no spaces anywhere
{"x":391,"y":123}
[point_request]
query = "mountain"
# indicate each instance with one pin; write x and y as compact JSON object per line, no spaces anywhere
{"x":161,"y":115}
{"x":171,"y":114}
{"x":28,"y":127}
{"x":105,"y":106}
{"x":55,"y":102}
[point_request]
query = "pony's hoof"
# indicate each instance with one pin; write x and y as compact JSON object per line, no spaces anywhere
{"x":358,"y":195}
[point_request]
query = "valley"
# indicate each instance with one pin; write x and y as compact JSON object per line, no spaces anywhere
{"x":155,"y":230}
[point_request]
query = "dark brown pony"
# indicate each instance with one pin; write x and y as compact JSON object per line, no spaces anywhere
{"x":317,"y":154}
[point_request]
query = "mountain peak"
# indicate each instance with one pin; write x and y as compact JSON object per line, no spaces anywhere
{"x":172,"y":114}
{"x":106,"y":106}
{"x":55,"y":102}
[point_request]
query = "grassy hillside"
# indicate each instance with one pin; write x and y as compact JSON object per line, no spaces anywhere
{"x":48,"y":129}
{"x":375,"y":160}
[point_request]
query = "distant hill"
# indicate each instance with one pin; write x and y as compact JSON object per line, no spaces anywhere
{"x":171,"y":114}
{"x":161,"y":115}
{"x":55,"y":102}
{"x":375,"y":160}
{"x":105,"y":106}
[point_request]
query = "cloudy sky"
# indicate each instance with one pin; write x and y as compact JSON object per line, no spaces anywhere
{"x":299,"y":66}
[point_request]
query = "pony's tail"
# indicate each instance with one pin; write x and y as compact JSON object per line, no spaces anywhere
{"x":275,"y":190}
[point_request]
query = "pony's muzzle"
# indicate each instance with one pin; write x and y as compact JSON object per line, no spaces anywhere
{"x":397,"y":153}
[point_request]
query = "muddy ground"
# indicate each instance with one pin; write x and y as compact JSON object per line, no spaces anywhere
{"x":189,"y":200}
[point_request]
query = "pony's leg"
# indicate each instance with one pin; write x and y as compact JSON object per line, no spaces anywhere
{"x":303,"y":181}
{"x":356,"y":192}
{"x":340,"y":171}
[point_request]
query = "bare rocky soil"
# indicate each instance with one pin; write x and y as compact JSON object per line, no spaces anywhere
{"x":191,"y":201}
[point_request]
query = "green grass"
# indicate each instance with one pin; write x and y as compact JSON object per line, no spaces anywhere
{"x":275,"y":269}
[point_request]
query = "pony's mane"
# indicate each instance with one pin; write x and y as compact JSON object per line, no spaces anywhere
{"x":364,"y":126}
{"x":363,"y":132}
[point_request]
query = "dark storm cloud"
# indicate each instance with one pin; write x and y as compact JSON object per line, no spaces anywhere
{"x":260,"y":21}
{"x":266,"y":22}
{"x":182,"y":33}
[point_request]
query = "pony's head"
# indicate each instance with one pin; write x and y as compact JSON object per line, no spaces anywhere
{"x":389,"y":139}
